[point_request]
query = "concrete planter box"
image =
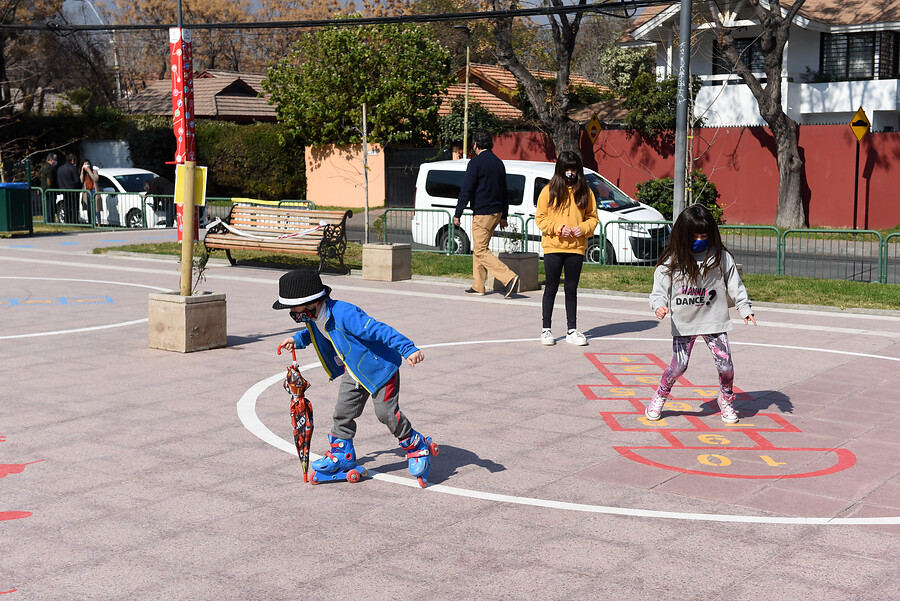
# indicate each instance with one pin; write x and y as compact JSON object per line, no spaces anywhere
{"x":387,"y":262}
{"x":525,"y":265}
{"x":187,"y":323}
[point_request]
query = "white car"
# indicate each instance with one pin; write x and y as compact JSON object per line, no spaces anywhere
{"x":123,"y":200}
{"x":635,"y":232}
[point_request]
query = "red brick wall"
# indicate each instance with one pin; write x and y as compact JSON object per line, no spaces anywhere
{"x":741,"y":162}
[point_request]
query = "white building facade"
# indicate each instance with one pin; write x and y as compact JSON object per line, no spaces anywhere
{"x":839,"y":57}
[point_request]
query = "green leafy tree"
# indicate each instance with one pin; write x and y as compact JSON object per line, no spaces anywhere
{"x":451,"y":126}
{"x":659,"y":194}
{"x":620,"y":66}
{"x":398,"y":71}
{"x":651,"y":104}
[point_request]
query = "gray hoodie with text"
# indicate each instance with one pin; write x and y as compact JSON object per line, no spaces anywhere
{"x":701,"y":307}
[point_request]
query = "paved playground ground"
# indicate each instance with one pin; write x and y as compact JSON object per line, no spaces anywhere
{"x":130,"y":473}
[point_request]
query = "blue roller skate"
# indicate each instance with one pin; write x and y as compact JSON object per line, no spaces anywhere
{"x":419,"y":450}
{"x":338,"y":464}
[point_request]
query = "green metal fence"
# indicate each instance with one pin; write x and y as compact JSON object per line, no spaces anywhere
{"x":832,"y":254}
{"x":433,"y":230}
{"x":890,"y":253}
{"x":756,"y":248}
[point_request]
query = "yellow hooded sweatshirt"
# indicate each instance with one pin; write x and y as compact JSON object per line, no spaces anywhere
{"x":550,"y":220}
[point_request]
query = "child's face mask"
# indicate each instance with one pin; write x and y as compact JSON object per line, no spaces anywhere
{"x":305,"y":313}
{"x":699,"y":245}
{"x":571,"y":176}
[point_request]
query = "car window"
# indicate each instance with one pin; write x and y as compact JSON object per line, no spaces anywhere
{"x":447,"y":184}
{"x":515,"y":189}
{"x":104,"y":182}
{"x":539,"y":184}
{"x":609,"y":198}
{"x":134,"y":182}
{"x":444,"y":184}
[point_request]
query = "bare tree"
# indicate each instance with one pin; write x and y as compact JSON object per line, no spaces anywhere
{"x":775,"y":22}
{"x":552,"y":112}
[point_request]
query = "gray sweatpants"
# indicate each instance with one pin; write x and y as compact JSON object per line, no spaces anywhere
{"x":351,"y":401}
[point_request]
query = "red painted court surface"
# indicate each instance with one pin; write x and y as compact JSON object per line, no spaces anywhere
{"x":130,"y":473}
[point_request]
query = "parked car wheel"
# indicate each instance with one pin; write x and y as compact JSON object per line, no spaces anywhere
{"x":61,"y":212}
{"x":134,"y":218}
{"x":460,"y":243}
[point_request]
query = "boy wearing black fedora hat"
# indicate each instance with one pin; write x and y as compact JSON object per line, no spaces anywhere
{"x":368,"y":353}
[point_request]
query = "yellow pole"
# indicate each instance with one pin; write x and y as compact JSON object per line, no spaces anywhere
{"x":187,"y":234}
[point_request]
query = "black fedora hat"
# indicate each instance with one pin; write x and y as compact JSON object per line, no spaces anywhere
{"x":299,"y":287}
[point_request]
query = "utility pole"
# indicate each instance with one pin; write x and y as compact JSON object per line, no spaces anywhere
{"x":681,"y":108}
{"x":465,"y":147}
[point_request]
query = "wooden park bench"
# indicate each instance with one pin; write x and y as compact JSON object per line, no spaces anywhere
{"x":281,"y":230}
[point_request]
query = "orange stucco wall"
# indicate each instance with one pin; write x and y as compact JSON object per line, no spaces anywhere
{"x":334,"y":176}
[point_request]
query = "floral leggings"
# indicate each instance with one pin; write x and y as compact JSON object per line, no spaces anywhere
{"x":681,"y":354}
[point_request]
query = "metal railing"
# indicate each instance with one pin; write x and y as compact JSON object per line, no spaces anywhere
{"x":756,"y":247}
{"x":631,"y":242}
{"x":832,"y":254}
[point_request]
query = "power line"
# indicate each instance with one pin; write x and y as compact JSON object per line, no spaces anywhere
{"x":620,"y":8}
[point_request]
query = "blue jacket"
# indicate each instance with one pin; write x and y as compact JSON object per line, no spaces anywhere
{"x":372,"y":351}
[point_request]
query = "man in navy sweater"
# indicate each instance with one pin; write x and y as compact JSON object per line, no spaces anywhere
{"x":484,"y":186}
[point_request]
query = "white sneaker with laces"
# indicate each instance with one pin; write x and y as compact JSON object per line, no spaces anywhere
{"x":654,"y":409}
{"x":577,"y":338}
{"x":729,"y":415}
{"x":547,"y":338}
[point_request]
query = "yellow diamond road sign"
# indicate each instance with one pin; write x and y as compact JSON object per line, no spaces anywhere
{"x":593,"y":128}
{"x":860,"y":124}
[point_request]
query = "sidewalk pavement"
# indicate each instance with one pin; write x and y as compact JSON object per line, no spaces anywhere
{"x":132,"y":473}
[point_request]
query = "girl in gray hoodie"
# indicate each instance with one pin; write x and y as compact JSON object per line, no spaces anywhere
{"x":691,"y":279}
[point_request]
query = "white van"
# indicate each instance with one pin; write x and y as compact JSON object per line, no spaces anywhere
{"x":438,"y":185}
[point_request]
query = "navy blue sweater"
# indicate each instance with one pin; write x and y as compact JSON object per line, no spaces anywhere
{"x":484,"y":186}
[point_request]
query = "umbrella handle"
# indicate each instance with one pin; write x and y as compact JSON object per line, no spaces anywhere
{"x":293,"y":354}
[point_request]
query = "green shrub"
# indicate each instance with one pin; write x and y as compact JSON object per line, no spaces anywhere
{"x":659,"y":194}
{"x":259,"y":160}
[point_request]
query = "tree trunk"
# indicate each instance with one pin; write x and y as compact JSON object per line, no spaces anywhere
{"x":790,"y":213}
{"x":566,"y":135}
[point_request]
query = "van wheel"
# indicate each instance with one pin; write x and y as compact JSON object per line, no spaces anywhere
{"x":594,"y":249}
{"x":458,"y":246}
{"x":60,"y":212}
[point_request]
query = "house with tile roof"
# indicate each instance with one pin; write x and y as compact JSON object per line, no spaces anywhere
{"x":217,"y":95}
{"x":841,"y":55}
{"x":494,"y":88}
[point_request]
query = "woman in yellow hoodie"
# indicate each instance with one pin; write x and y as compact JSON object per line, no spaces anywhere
{"x":566,"y":215}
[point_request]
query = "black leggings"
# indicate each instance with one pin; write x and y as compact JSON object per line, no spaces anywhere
{"x":554,"y":263}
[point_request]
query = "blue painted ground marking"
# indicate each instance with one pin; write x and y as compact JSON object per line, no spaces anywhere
{"x":68,"y":243}
{"x":21,"y":246}
{"x":61,"y":300}
{"x":114,"y":241}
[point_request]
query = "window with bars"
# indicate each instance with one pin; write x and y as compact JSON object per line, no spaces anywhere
{"x":750,"y":53}
{"x":848,"y":56}
{"x":888,"y":55}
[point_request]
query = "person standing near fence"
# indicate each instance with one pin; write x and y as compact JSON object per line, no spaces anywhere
{"x":89,"y":176}
{"x":484,"y":186}
{"x":67,"y":176}
{"x":48,"y":182}
{"x":566,"y":215}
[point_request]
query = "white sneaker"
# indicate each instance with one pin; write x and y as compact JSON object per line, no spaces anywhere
{"x":729,"y":415}
{"x":547,"y":338}
{"x":577,"y":338}
{"x":654,"y":409}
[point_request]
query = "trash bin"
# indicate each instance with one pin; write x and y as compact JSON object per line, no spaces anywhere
{"x":15,"y":210}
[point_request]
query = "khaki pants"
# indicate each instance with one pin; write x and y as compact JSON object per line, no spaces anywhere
{"x":483,"y":260}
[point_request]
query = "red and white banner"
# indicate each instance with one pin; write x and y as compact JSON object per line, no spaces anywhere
{"x":183,"y":94}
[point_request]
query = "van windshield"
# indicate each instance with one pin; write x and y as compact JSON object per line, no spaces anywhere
{"x":609,"y":198}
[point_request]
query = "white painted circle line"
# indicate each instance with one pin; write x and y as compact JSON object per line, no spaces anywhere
{"x":86,"y":329}
{"x":246,"y":410}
